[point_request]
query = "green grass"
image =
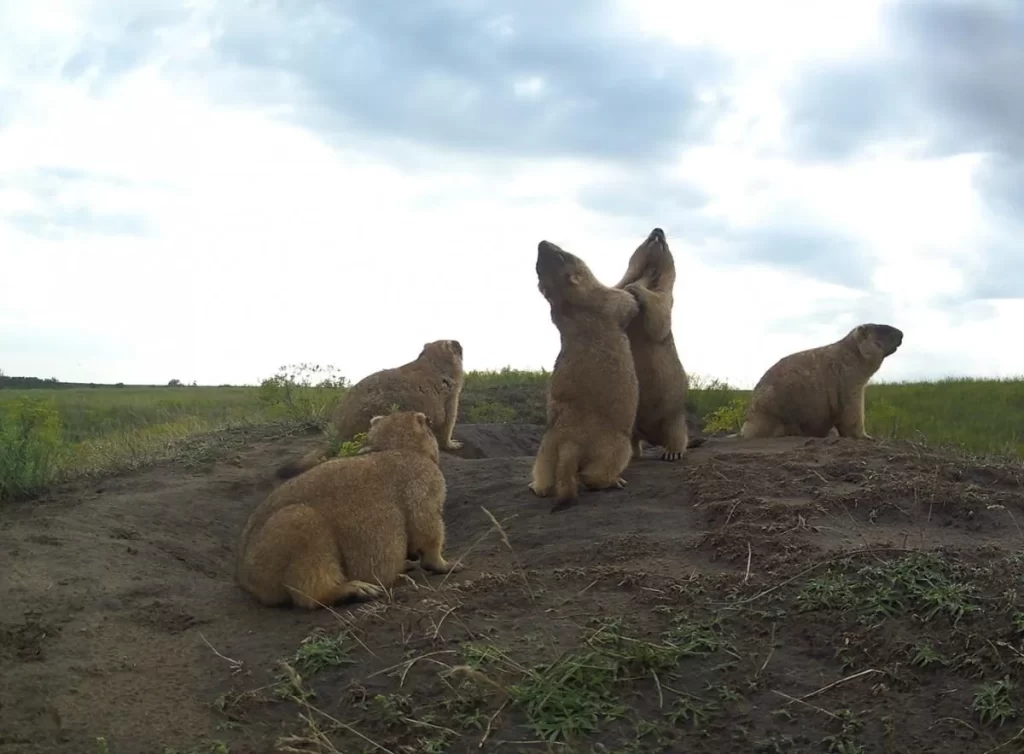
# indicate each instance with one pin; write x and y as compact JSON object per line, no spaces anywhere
{"x":89,"y":413}
{"x":982,"y":416}
{"x":48,"y":434}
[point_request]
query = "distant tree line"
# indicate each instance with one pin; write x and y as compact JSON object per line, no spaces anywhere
{"x":29,"y":382}
{"x":51,"y":383}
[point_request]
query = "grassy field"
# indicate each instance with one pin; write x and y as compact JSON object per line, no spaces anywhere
{"x":51,"y":434}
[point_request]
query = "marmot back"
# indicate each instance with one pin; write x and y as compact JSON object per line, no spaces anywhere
{"x":344,"y":529}
{"x":431,"y":384}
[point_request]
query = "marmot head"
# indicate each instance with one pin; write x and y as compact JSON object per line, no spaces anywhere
{"x":875,"y":342}
{"x":402,"y":430}
{"x":443,"y":352}
{"x":563,"y":278}
{"x":652,"y":262}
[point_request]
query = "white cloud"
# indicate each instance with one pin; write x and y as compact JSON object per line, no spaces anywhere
{"x":267,"y":243}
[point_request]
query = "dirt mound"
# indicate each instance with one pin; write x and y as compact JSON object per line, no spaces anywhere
{"x":498,"y":440}
{"x":775,"y":596}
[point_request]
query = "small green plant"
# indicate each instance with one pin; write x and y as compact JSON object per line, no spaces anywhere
{"x":318,"y":651}
{"x":392,"y":709}
{"x":353,"y":446}
{"x":776,"y":744}
{"x":723,"y":692}
{"x":844,"y":741}
{"x":690,"y":711}
{"x":832,"y":591}
{"x":925,"y":656}
{"x":31,"y":447}
{"x":992,"y":702}
{"x":344,"y":448}
{"x":693,"y":638}
{"x":727,"y":418}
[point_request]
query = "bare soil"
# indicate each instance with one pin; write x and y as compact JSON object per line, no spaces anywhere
{"x":767,"y":596}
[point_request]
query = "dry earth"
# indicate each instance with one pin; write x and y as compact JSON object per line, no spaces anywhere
{"x":767,"y":596}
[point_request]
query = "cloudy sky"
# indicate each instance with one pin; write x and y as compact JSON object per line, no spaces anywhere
{"x":208,"y":190}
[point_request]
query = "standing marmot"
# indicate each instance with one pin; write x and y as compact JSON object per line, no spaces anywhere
{"x":661,"y":415}
{"x":432,"y":384}
{"x":344,"y":529}
{"x":593,"y":390}
{"x":809,"y":392}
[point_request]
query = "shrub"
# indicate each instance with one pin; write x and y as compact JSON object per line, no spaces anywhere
{"x":709,"y":395}
{"x":31,"y":447}
{"x":295,"y":393}
{"x":727,"y":418}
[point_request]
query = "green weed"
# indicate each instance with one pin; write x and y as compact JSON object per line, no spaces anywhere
{"x":992,"y":702}
{"x":832,"y":591}
{"x":31,"y":447}
{"x":925,"y":655}
{"x":727,"y":418}
{"x":318,"y":651}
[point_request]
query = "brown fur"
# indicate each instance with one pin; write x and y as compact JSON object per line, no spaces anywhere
{"x":431,"y":383}
{"x":810,"y":392}
{"x":344,"y":529}
{"x":661,"y":413}
{"x":593,"y":391}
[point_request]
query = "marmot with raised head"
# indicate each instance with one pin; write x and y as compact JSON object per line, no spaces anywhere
{"x":431,"y":384}
{"x":593,"y":390}
{"x":344,"y":529}
{"x":661,"y":413}
{"x":810,"y":392}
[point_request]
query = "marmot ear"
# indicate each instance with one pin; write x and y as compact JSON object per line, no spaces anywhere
{"x":375,"y":419}
{"x":422,"y":418}
{"x":575,"y":279}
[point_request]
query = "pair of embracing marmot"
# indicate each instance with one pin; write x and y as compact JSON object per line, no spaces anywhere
{"x":346,"y":527}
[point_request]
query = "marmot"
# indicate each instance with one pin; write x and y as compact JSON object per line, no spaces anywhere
{"x":344,"y":529}
{"x":432,"y":384}
{"x":810,"y":392}
{"x":593,"y":390}
{"x":661,"y":415}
